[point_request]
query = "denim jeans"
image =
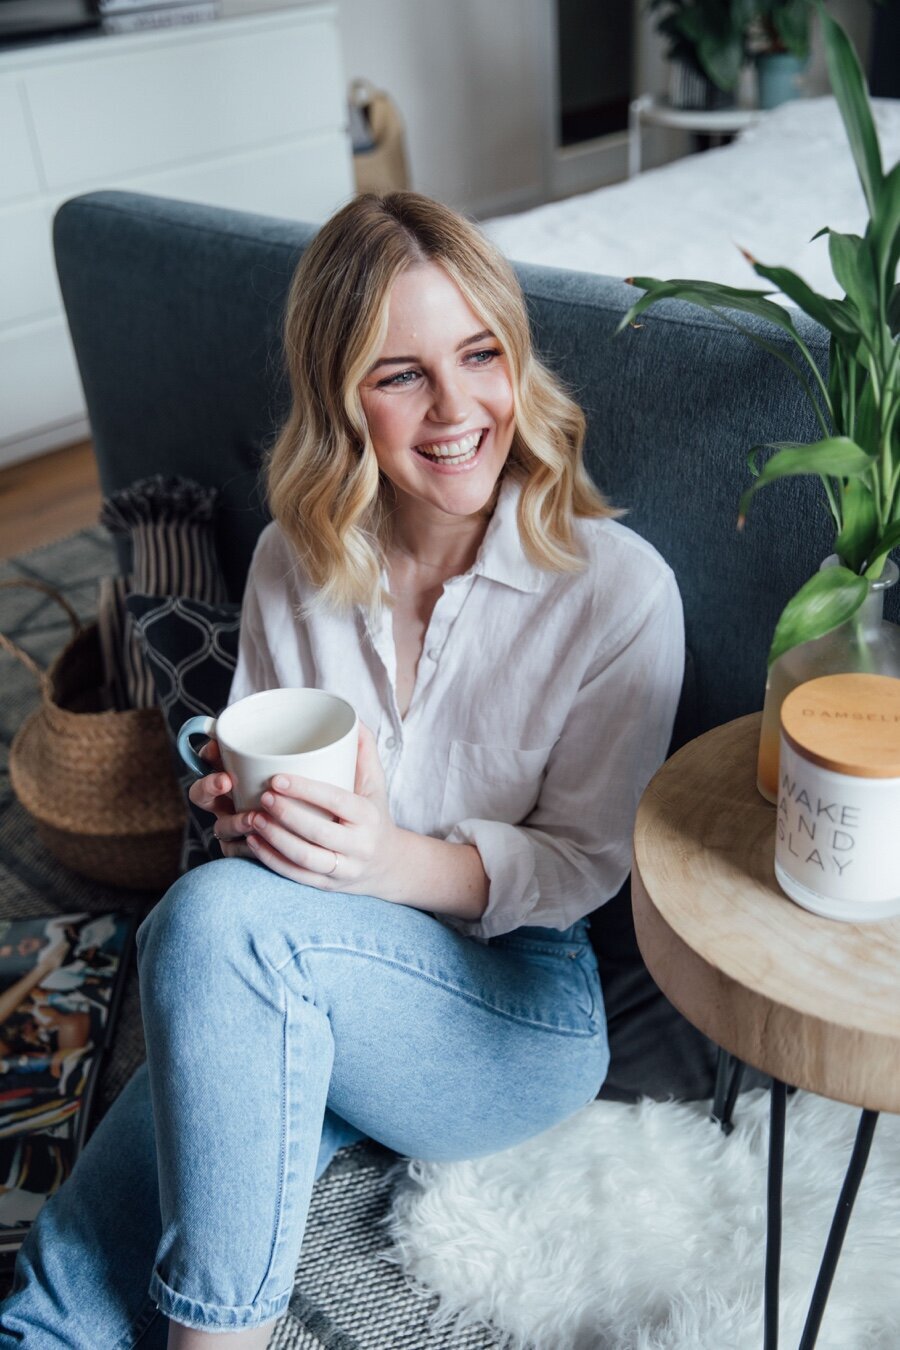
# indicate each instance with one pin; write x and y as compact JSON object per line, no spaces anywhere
{"x":283,"y":1022}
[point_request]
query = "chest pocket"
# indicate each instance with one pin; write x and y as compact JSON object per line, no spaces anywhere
{"x":491,"y":782}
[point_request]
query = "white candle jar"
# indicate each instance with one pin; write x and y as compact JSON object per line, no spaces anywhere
{"x":838,"y":822}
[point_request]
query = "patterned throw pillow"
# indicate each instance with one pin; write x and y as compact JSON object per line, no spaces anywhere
{"x":167,"y":525}
{"x":191,"y":650}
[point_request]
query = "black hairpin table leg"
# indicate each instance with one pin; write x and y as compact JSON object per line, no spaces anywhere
{"x":729,"y":1072}
{"x":855,"y":1170}
{"x":857,"y":1165}
{"x":723,"y":1060}
{"x":778,"y":1105}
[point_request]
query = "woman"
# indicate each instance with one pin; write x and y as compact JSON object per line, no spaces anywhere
{"x":416,"y":968}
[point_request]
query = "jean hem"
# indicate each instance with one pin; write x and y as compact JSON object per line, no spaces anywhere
{"x":191,"y":1312}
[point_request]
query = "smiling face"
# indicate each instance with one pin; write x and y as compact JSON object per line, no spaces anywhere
{"x":438,"y":400}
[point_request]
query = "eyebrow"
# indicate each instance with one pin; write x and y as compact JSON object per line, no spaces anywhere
{"x":405,"y":360}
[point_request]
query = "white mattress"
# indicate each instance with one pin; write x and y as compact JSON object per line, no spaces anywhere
{"x":769,"y":192}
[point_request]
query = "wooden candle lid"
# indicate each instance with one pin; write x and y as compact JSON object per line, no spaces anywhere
{"x":847,"y":723}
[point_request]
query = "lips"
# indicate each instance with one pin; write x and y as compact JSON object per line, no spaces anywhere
{"x":452,"y":453}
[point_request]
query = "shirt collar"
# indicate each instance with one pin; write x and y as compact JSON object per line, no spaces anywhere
{"x":502,"y":556}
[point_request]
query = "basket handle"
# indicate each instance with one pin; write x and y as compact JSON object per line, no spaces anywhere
{"x":7,"y":644}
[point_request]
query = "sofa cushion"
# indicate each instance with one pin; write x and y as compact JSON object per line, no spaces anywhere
{"x":168,"y":523}
{"x":191,"y":650}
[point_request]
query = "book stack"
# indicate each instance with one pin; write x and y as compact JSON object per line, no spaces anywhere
{"x":62,"y":977}
{"x":139,"y":16}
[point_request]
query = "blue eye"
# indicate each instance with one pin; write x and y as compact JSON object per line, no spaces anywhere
{"x":403,"y":378}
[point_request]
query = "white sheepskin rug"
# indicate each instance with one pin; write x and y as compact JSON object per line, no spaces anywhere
{"x":643,"y":1228}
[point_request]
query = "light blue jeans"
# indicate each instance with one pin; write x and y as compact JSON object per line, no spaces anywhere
{"x":283,"y":1022}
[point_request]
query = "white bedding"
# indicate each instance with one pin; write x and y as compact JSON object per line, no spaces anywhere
{"x":769,"y":192}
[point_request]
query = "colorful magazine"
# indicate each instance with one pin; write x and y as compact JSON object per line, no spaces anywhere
{"x":61,"y":982}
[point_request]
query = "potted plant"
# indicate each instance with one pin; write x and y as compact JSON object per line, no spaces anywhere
{"x":857,"y":405}
{"x":780,"y":38}
{"x":706,"y":47}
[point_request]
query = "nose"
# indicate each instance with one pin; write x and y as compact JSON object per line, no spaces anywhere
{"x":449,"y":404}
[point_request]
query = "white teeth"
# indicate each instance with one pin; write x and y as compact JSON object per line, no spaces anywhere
{"x":453,"y":449}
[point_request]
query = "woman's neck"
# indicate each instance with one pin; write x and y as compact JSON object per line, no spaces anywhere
{"x":438,"y":543}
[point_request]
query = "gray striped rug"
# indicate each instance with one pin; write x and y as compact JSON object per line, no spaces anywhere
{"x":345,"y":1297}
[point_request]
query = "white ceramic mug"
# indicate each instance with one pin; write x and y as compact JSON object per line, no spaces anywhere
{"x":292,"y":731}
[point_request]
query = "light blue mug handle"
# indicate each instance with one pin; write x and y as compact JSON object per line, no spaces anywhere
{"x":195,"y":726}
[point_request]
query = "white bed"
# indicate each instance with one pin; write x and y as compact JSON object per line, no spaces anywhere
{"x":769,"y":192}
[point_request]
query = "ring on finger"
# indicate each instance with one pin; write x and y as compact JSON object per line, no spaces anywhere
{"x":331,"y":871}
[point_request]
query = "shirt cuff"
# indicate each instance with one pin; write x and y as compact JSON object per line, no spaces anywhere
{"x":508,"y":858}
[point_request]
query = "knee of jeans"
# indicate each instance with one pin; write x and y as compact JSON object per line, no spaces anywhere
{"x":194,"y":920}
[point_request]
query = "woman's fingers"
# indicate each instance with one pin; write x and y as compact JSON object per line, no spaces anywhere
{"x":300,"y":819}
{"x":212,"y":794}
{"x":232,"y":825}
{"x":211,"y":754}
{"x":321,"y":867}
{"x":207,"y":792}
{"x":296,"y":849}
{"x":334,"y":800}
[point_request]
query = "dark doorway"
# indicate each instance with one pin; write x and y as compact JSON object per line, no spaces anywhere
{"x":596,"y":61}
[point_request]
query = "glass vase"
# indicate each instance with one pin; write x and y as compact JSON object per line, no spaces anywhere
{"x":867,"y":643}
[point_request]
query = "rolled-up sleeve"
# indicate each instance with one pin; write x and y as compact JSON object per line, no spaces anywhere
{"x":573,"y":851}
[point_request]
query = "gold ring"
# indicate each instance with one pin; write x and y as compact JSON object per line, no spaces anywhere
{"x":334,"y":868}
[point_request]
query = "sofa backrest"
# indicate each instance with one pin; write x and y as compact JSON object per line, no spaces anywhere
{"x":175,"y":312}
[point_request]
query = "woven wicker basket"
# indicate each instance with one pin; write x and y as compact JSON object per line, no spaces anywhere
{"x":100,"y":786}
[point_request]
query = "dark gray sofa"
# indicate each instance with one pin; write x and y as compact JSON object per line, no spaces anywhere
{"x":175,"y":314}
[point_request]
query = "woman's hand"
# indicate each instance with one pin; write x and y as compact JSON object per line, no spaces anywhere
{"x":357,"y":853}
{"x":213,"y":794}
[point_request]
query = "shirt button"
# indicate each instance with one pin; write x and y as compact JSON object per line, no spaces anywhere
{"x":433,"y":653}
{"x":391,"y":742}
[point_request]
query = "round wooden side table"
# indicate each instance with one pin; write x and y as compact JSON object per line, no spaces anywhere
{"x":811,"y":1001}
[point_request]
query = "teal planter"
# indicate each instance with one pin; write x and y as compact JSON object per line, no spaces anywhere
{"x":778,"y":75}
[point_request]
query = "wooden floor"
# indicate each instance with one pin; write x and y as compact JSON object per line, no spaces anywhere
{"x":48,"y":498}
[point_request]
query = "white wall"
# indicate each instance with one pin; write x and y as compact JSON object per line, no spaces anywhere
{"x":467,"y":77}
{"x":474,"y":83}
{"x":856,"y":17}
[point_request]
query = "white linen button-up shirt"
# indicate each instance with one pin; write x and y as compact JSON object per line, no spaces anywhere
{"x":542,"y":706}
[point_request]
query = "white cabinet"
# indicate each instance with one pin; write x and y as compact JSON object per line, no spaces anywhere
{"x":247,"y":113}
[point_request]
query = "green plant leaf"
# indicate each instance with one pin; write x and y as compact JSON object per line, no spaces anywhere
{"x":884,"y":230}
{"x":865,"y":432}
{"x":836,"y":457}
{"x":723,"y":299}
{"x":841,"y":391}
{"x":826,"y":601}
{"x":708,"y":295}
{"x":722,"y":61}
{"x":834,"y":315}
{"x":849,"y":87}
{"x":851,"y":262}
{"x":859,"y":532}
{"x":886,"y":544}
{"x":791,"y":22}
{"x":894,"y":311}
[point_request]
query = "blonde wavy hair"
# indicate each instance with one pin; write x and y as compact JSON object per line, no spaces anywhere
{"x":325,"y":488}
